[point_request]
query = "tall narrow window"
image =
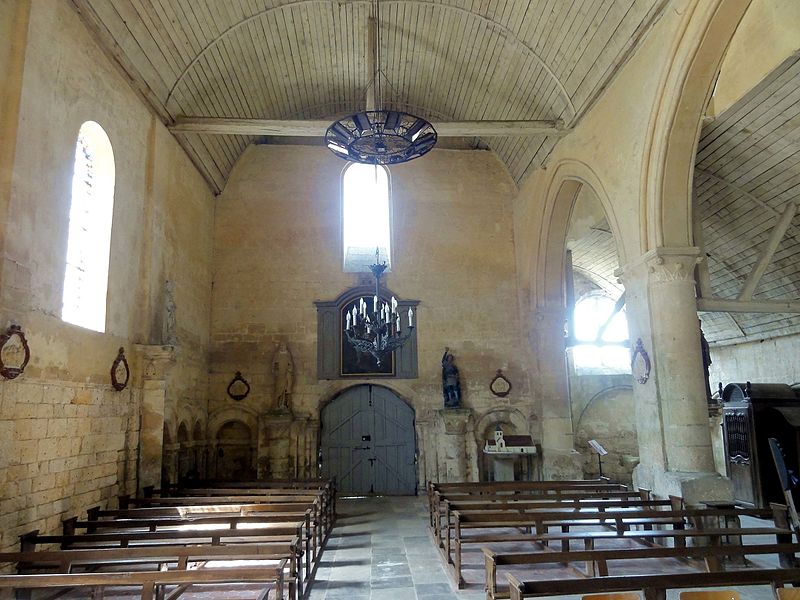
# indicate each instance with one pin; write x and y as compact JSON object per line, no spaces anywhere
{"x":600,"y":335}
{"x":365,"y":208}
{"x":89,"y":243}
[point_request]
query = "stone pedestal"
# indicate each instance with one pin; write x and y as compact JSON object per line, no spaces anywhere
{"x":274,"y":458}
{"x":503,"y":467}
{"x":672,"y":410}
{"x":156,"y":362}
{"x":453,"y":444}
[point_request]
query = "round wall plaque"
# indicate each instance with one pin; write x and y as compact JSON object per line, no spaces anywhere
{"x":500,"y":385}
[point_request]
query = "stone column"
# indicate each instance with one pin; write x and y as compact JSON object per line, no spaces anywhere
{"x":549,"y":384}
{"x":672,"y":411}
{"x":453,"y":444}
{"x":156,"y":361}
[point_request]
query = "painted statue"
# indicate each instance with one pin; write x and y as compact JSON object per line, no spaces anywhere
{"x":451,"y":386}
{"x":283,"y":377}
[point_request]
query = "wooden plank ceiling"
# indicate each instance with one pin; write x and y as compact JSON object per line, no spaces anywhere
{"x":305,"y":59}
{"x":747,"y":172}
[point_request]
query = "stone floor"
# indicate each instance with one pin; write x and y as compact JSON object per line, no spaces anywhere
{"x":380,"y":549}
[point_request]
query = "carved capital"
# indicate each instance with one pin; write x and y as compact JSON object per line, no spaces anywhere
{"x":455,"y":420}
{"x":662,"y":265}
{"x":156,"y":360}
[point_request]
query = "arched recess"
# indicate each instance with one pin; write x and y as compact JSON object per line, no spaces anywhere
{"x":685,"y":88}
{"x":186,"y":460}
{"x":511,"y":420}
{"x":235,"y":451}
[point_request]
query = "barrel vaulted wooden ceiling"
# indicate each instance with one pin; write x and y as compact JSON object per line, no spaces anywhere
{"x":747,"y":190}
{"x":447,"y":60}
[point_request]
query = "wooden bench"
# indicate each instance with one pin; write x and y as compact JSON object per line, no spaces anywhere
{"x":148,"y":581}
{"x":437,"y":491}
{"x":504,"y":503}
{"x":654,"y":587}
{"x":678,"y":538}
{"x":596,"y":561}
{"x":72,"y":525}
{"x":158,"y":558}
{"x":281,"y":533}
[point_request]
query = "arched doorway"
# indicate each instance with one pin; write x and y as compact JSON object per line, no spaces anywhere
{"x":368,"y":442}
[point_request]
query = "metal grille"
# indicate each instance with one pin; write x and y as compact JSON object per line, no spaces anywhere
{"x":738,"y":437}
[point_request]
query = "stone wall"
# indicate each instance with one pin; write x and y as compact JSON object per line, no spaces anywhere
{"x":67,"y":439}
{"x":764,"y":361}
{"x":277,"y":249}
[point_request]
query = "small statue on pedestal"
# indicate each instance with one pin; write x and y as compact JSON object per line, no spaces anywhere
{"x":283,"y":373}
{"x":451,"y":385}
{"x":169,"y":333}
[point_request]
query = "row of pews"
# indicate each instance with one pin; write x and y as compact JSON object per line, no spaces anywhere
{"x":263,"y":536}
{"x":552,"y":538}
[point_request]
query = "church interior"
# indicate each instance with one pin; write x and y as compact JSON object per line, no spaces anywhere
{"x":577,"y":270}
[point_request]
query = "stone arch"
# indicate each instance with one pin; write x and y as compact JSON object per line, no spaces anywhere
{"x":511,"y":420}
{"x":239,"y":413}
{"x":568,"y":176}
{"x":693,"y":63}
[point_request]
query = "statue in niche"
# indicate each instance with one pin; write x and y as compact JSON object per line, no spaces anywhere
{"x":451,"y":385}
{"x":283,"y":377}
{"x":169,"y":333}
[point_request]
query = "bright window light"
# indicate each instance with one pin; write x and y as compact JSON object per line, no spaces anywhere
{"x":89,"y":242}
{"x":365,"y":205}
{"x":589,"y":357}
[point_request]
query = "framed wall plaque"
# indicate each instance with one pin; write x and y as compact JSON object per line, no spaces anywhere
{"x":238,"y":388}
{"x":120,"y":372}
{"x":500,"y":385}
{"x":640,"y":363}
{"x":14,"y":352}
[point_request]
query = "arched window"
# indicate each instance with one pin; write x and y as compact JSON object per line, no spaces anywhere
{"x":600,"y":337}
{"x":365,"y":216}
{"x":90,"y":214}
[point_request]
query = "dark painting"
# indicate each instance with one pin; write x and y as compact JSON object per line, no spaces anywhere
{"x":361,"y":363}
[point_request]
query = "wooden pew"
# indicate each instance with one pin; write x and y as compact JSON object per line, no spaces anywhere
{"x":557,"y":488}
{"x":72,"y":525}
{"x":654,"y":587}
{"x":677,"y":536}
{"x":511,"y":504}
{"x":281,"y":533}
{"x":596,"y":561}
{"x":149,"y":581}
{"x":176,"y":557}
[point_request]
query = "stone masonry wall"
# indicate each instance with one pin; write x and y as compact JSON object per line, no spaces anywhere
{"x":68,"y":441}
{"x":277,"y":249}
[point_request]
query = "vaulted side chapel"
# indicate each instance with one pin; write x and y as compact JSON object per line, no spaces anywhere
{"x":187,"y":259}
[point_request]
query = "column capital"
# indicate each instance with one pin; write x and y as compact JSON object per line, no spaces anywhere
{"x":455,"y":420}
{"x":157,"y":360}
{"x":664,"y":264}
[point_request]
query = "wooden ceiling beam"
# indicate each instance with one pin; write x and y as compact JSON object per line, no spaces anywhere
{"x":752,"y":306}
{"x":317,"y":128}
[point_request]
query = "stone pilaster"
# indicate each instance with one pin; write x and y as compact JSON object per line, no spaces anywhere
{"x":156,"y":362}
{"x":453,"y":460}
{"x":672,"y":411}
{"x":549,"y":382}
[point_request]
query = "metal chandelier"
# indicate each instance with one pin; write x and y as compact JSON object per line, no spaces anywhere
{"x":378,"y":331}
{"x":379,"y":137}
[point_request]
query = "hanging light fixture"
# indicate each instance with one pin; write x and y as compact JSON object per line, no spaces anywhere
{"x":378,"y":331}
{"x":379,"y":136}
